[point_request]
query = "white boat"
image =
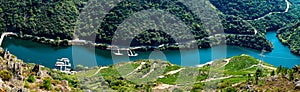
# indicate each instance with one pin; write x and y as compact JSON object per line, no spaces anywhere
{"x":131,"y":54}
{"x":118,"y":53}
{"x":63,"y":62}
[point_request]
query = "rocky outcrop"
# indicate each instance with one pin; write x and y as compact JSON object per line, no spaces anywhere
{"x":36,"y":69}
{"x":19,"y":80}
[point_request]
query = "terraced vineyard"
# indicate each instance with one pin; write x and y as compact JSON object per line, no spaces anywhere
{"x":161,"y":75}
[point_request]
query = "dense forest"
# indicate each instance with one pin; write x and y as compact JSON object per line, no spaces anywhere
{"x":291,"y":36}
{"x":249,"y":9}
{"x":278,"y":20}
{"x":154,"y":36}
{"x":98,"y":21}
{"x":44,"y":18}
{"x":285,"y":22}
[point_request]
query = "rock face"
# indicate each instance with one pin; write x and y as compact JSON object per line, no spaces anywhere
{"x":36,"y":69}
{"x":26,"y":77}
{"x":16,"y":68}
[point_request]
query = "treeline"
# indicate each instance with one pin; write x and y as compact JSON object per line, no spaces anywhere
{"x":250,"y":41}
{"x":249,"y":9}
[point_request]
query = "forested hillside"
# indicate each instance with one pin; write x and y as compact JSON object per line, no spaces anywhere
{"x":98,"y":20}
{"x":44,"y":18}
{"x":291,"y":36}
{"x":267,"y":15}
{"x":249,"y":9}
{"x":276,"y":21}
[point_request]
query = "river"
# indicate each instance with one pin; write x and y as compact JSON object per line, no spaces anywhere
{"x":33,"y":52}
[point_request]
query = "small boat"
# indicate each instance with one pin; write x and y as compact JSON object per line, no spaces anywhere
{"x":64,"y":64}
{"x":118,"y":53}
{"x":131,"y":54}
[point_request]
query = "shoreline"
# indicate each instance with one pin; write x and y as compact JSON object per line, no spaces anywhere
{"x":207,"y":42}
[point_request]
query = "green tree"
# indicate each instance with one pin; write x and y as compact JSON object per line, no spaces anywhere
{"x":291,"y":75}
{"x":258,"y":73}
{"x":248,"y":78}
{"x":46,"y":84}
{"x":272,"y":73}
{"x":57,"y":41}
{"x":31,"y":78}
{"x":278,"y":70}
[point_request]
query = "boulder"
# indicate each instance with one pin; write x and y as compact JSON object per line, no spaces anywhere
{"x":36,"y":69}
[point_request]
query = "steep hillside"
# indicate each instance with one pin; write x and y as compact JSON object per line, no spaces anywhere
{"x":249,"y":9}
{"x":17,"y":76}
{"x":291,"y":36}
{"x":44,"y":18}
{"x":60,"y":20}
{"x":156,"y":75}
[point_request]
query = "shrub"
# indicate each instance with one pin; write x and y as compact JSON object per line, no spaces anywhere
{"x":26,"y":85}
{"x":79,"y":67}
{"x":5,"y":75}
{"x":272,"y":73}
{"x":31,"y":78}
{"x":46,"y":84}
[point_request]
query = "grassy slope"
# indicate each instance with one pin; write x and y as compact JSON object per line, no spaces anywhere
{"x":237,"y":68}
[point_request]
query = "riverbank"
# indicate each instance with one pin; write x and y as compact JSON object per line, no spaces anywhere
{"x":207,"y":42}
{"x":47,"y":54}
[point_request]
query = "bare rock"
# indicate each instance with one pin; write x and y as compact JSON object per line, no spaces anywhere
{"x":36,"y":69}
{"x":66,"y":86}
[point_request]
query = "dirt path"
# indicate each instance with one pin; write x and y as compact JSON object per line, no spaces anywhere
{"x":136,"y":69}
{"x":273,"y":68}
{"x":236,"y":84}
{"x":98,"y":70}
{"x":286,"y":10}
{"x":220,"y":78}
{"x":175,"y":71}
{"x":152,"y":69}
{"x":227,"y":61}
